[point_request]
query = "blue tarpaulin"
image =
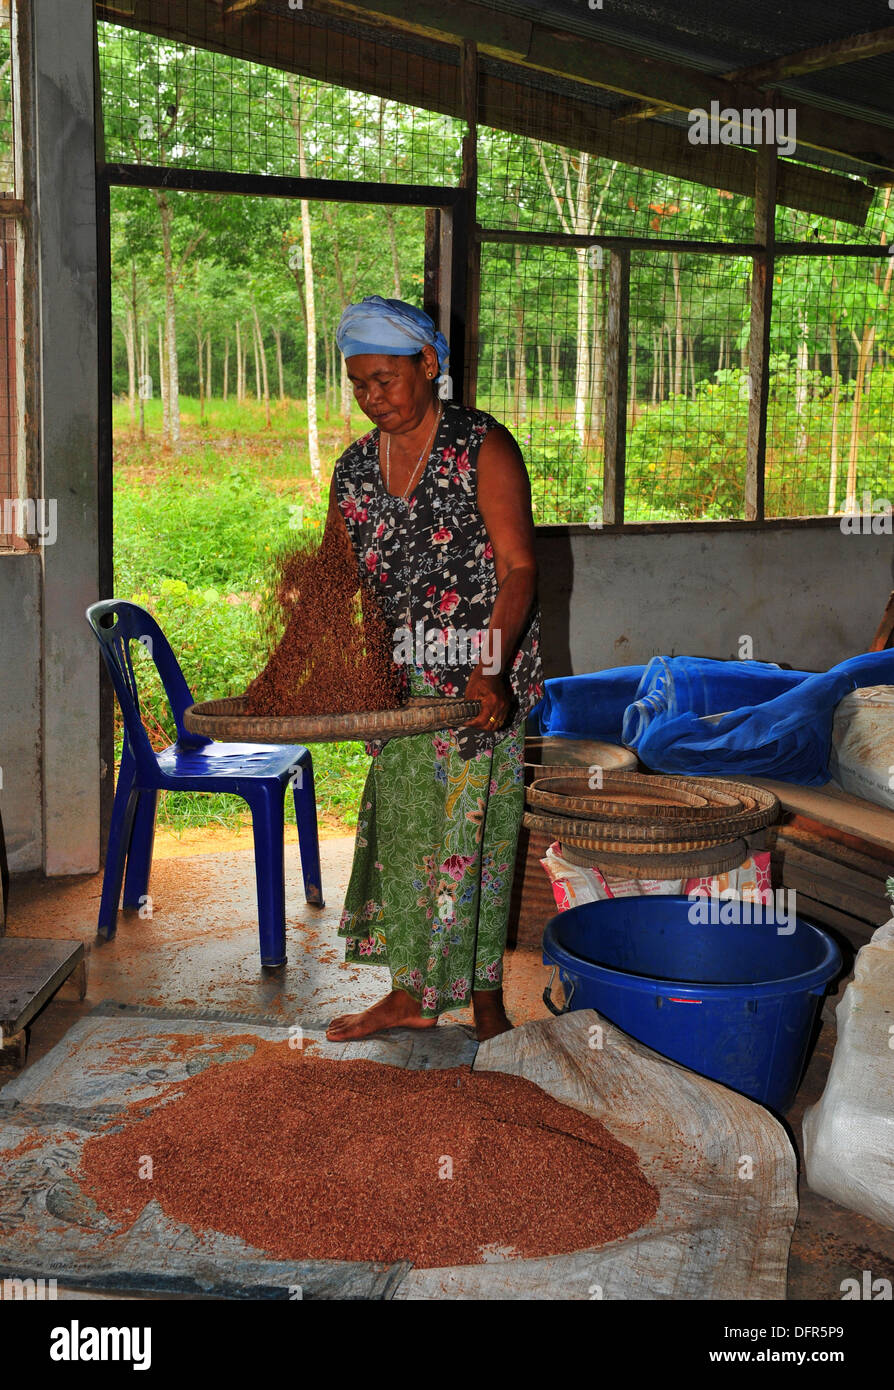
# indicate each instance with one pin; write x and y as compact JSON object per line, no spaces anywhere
{"x":700,"y":717}
{"x":590,"y":706}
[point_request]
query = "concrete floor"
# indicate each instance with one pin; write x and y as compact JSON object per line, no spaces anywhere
{"x":199,"y":952}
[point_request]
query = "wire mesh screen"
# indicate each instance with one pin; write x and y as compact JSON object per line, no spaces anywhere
{"x":553,"y":188}
{"x":831,"y":402}
{"x":688,"y":387}
{"x":168,"y":103}
{"x":7,"y":106}
{"x":242,"y":301}
{"x":541,"y":369}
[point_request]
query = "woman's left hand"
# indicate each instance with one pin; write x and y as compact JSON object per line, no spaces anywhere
{"x":496,"y":700}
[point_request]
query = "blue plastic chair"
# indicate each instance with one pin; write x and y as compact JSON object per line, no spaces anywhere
{"x":258,"y":772}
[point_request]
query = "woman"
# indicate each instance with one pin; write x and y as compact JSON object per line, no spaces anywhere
{"x":435,"y":504}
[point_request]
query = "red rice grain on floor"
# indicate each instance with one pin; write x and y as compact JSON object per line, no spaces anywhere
{"x":313,"y":1159}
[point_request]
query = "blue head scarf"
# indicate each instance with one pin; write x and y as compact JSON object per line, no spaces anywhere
{"x":389,"y":326}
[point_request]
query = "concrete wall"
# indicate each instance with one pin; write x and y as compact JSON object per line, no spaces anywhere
{"x":20,"y":762}
{"x":807,"y":596}
{"x":49,"y":662}
{"x":64,"y":91}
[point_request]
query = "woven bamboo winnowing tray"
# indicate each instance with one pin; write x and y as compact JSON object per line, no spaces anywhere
{"x":716,"y":859}
{"x":224,"y":719}
{"x":629,"y":796}
{"x":734,"y":809}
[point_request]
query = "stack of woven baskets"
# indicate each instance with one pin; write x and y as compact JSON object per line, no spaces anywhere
{"x":647,"y":826}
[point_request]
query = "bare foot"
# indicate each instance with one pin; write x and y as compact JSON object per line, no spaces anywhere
{"x":397,"y":1010}
{"x":490,"y":1016}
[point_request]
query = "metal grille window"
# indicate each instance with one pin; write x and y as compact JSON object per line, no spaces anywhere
{"x":831,"y":395}
{"x":542,"y":187}
{"x":168,"y":103}
{"x":688,"y":387}
{"x":542,"y":368}
{"x":616,"y":321}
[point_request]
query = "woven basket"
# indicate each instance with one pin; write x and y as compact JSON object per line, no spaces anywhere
{"x":224,"y":719}
{"x":718,"y":859}
{"x":633,"y":798}
{"x":758,"y":808}
{"x":596,"y":835}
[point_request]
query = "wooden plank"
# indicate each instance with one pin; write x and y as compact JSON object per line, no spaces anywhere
{"x":30,"y":972}
{"x":362,"y":63}
{"x":280,"y":186}
{"x":827,"y":55}
{"x":793,"y":833}
{"x":431,"y":271}
{"x":836,"y":54}
{"x":842,"y":839}
{"x":872,"y":885}
{"x":821,"y":888}
{"x":829,"y":805}
{"x":487,"y":26}
{"x":615,"y":68}
{"x":855,"y":929}
{"x":616,"y":371}
{"x":800,"y":249}
{"x":759,"y":335}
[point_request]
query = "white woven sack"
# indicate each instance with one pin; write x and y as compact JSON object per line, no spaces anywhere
{"x":849,"y":1133}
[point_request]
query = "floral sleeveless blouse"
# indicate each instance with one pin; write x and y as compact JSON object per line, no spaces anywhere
{"x":432,"y":562}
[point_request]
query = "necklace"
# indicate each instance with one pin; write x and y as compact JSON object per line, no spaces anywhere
{"x":426,"y":451}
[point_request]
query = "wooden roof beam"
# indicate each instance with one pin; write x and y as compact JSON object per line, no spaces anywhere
{"x":657,"y":81}
{"x":827,"y":55}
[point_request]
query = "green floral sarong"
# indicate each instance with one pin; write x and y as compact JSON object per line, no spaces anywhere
{"x":433,"y":865}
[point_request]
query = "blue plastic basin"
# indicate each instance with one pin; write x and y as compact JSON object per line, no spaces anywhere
{"x":733,"y":1002}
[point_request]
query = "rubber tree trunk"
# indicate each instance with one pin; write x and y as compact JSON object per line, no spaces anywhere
{"x":163,"y":384}
{"x":254,"y":344}
{"x":144,"y":375}
{"x":172,"y":372}
{"x":864,"y":355}
{"x":582,"y":371}
{"x":832,"y":507}
{"x":277,"y":334}
{"x":265,"y":380}
{"x":313,"y":437}
{"x":597,"y":386}
{"x":679,"y":365}
{"x":130,"y":345}
{"x":200,"y":354}
{"x":521,"y":367}
{"x":395,"y":257}
{"x":802,"y":365}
